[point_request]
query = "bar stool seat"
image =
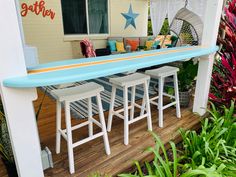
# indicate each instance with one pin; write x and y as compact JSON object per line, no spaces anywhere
{"x":130,"y":80}
{"x":78,"y":92}
{"x":68,"y":95}
{"x":161,"y":74}
{"x":164,"y":71}
{"x":126,"y":82}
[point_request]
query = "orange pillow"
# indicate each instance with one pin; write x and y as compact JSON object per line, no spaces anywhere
{"x":133,"y":43}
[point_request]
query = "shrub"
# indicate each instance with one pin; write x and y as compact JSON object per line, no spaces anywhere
{"x":161,"y":166}
{"x":215,"y":145}
{"x":164,"y":166}
{"x":186,"y":75}
{"x":209,"y":153}
{"x":223,"y":88}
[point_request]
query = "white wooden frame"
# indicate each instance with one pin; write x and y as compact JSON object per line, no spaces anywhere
{"x":18,"y":102}
{"x":210,"y":31}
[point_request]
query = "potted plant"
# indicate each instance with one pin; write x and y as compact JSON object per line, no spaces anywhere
{"x":6,"y":153}
{"x":141,"y":48}
{"x":186,"y":76}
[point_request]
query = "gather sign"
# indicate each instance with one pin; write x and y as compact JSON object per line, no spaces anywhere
{"x":37,"y":8}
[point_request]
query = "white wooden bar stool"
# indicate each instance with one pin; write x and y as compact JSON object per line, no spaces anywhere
{"x":161,"y":74}
{"x":126,"y":82}
{"x":68,"y":95}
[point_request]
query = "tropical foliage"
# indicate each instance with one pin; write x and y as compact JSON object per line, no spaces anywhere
{"x":223,"y":88}
{"x":163,"y":166}
{"x":209,"y":153}
{"x":187,"y":74}
{"x":215,"y":145}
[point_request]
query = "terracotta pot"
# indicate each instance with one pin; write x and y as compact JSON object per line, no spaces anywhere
{"x":184,"y":98}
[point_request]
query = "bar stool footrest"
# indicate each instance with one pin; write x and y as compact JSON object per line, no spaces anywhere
{"x":117,"y":112}
{"x":118,"y":115}
{"x":87,"y":139}
{"x":137,"y":118}
{"x":63,"y":134}
{"x":169,"y":105}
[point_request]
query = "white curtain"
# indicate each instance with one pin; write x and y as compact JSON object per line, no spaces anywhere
{"x":160,"y":9}
{"x":158,"y":12}
{"x":98,"y":17}
{"x":198,"y":7}
{"x":173,"y":7}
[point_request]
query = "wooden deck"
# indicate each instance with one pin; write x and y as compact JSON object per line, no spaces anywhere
{"x":91,"y":157}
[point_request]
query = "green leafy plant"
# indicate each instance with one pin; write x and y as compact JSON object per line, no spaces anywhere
{"x":142,"y":47}
{"x":165,"y":166}
{"x":203,"y":171}
{"x":186,"y":80}
{"x":186,"y":75}
{"x":228,"y":118}
{"x":161,"y":166}
{"x":149,"y":28}
{"x":165,"y":30}
{"x":215,"y":144}
{"x":210,"y":152}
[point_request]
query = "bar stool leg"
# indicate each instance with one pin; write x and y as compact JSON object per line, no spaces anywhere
{"x":143,"y":106}
{"x":102,"y":121}
{"x":148,"y":109}
{"x":132,"y":102}
{"x":178,"y":114}
{"x":69,"y":138}
{"x":110,"y":117}
{"x":58,"y":128}
{"x":160,"y":101}
{"x":90,"y":116}
{"x":126,"y":116}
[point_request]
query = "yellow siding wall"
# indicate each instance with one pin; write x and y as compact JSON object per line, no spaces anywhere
{"x":47,"y":35}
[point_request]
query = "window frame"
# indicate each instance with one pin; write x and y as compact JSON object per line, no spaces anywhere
{"x":72,"y":37}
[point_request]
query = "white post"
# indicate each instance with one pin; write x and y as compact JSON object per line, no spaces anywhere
{"x":20,"y":21}
{"x":18,"y":104}
{"x":210,"y":32}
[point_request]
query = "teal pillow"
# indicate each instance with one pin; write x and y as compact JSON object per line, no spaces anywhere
{"x":150,"y":39}
{"x":155,"y":44}
{"x":112,"y":45}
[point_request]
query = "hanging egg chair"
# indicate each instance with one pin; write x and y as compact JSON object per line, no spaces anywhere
{"x":186,"y":28}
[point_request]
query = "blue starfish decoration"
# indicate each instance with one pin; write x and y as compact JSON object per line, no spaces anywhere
{"x":130,"y":17}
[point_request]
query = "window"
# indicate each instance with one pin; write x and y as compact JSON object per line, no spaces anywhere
{"x":85,"y":16}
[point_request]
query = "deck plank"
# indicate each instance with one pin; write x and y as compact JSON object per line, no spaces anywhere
{"x":91,"y":157}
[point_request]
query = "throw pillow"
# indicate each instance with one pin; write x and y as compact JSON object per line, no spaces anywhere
{"x":150,"y":38}
{"x":120,"y":47}
{"x":133,"y":43}
{"x":149,"y":44}
{"x":112,"y":45}
{"x":155,"y":44}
